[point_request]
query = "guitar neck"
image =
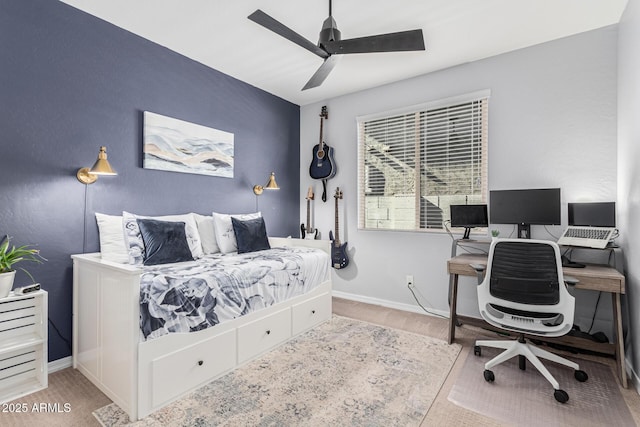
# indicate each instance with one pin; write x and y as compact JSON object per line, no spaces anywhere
{"x":308,"y":214}
{"x":337,"y":239}
{"x":323,"y":115}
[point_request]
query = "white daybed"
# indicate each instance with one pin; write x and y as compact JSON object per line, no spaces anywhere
{"x":143,"y":376}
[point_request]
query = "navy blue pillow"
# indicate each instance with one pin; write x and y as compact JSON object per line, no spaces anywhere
{"x":251,"y":235}
{"x":164,"y":242}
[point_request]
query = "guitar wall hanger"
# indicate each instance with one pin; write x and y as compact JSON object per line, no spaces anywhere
{"x":322,"y":164}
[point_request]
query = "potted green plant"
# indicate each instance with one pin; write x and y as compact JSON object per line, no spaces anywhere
{"x":11,"y":255}
{"x":495,"y":234}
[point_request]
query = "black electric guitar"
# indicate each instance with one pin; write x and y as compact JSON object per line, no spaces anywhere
{"x":308,"y":232}
{"x":339,"y":258}
{"x":322,"y":165}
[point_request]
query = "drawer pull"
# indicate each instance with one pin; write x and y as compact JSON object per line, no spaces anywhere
{"x":200,"y":362}
{"x":268,"y":331}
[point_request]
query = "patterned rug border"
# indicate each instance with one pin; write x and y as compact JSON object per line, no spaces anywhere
{"x":419,"y":399}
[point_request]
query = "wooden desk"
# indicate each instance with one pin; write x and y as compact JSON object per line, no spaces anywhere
{"x":592,"y":277}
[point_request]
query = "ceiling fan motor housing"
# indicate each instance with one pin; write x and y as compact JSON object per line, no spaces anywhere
{"x":329,"y":32}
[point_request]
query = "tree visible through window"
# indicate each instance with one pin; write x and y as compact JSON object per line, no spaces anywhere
{"x":414,"y":165}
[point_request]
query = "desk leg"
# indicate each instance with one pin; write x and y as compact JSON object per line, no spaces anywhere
{"x":619,"y":339}
{"x":453,"y":301}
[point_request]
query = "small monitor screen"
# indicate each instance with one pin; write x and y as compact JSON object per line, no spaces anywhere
{"x":601,"y":214}
{"x":531,"y":206}
{"x":469,"y":216}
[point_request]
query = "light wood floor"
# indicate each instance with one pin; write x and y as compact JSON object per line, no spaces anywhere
{"x":443,"y":412}
{"x":69,"y":386}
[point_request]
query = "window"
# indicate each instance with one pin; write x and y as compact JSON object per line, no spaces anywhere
{"x":414,"y":164}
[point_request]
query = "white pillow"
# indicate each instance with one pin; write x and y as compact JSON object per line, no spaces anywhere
{"x":225,"y":237}
{"x":135,"y":244}
{"x":112,"y":244}
{"x":207,"y":234}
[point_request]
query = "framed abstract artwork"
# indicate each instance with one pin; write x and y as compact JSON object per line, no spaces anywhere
{"x":178,"y":146}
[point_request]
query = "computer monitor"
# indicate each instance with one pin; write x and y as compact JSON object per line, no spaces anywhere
{"x":596,"y":214}
{"x":469,"y":216}
{"x":525,"y":207}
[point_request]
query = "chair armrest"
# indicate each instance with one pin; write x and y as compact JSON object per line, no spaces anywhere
{"x":571,"y":281}
{"x":478,"y":267}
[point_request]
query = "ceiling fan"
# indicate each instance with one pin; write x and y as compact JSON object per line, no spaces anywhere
{"x":330,"y":44}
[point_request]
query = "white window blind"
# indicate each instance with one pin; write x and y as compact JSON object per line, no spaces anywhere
{"x":413,"y":165}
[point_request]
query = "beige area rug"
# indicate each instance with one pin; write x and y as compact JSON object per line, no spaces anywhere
{"x":525,"y":398}
{"x":345,"y":372}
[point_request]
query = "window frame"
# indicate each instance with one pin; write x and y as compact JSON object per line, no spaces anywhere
{"x":423,"y":108}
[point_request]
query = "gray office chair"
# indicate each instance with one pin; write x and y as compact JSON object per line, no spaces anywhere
{"x":524,"y":291}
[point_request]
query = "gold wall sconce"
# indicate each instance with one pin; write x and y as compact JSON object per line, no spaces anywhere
{"x":100,"y":167}
{"x":271,"y":185}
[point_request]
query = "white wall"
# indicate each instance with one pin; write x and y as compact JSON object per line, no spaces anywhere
{"x":552,"y":123}
{"x":628,"y":167}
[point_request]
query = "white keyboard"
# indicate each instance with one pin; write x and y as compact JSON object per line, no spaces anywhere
{"x":588,"y":237}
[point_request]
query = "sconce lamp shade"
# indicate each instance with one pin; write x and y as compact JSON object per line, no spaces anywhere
{"x":271,"y":185}
{"x":100,"y":167}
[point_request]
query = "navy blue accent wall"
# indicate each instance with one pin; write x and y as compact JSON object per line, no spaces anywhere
{"x":69,"y":83}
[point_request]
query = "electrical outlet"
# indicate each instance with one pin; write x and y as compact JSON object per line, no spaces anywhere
{"x":410,"y":281}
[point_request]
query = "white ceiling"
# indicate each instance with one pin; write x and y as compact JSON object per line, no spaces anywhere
{"x":218,"y":34}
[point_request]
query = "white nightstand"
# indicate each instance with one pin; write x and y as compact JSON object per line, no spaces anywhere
{"x":23,"y":344}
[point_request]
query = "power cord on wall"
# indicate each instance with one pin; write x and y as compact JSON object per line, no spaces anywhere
{"x":550,"y":233}
{"x":595,"y":310}
{"x":84,"y":221}
{"x":413,"y":292}
{"x":60,"y":334}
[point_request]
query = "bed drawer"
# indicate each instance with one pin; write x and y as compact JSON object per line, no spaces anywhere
{"x":310,"y":313}
{"x":262,"y":334}
{"x":190,"y":367}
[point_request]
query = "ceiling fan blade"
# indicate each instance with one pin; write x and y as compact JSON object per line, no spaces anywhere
{"x":261,"y":18}
{"x":392,"y":42}
{"x":322,"y":72}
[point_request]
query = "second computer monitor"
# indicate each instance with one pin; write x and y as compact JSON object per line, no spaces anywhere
{"x":525,"y":207}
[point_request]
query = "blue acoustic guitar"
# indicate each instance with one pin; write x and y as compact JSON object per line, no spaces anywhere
{"x":339,"y":257}
{"x":322,"y":165}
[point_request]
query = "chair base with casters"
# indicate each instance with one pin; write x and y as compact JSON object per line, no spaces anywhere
{"x":523,"y":290}
{"x":525,"y":351}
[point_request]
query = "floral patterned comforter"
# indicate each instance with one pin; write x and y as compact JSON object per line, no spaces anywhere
{"x":191,"y":296}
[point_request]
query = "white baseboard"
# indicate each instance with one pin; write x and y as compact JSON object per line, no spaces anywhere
{"x":390,"y":304}
{"x":60,"y":364}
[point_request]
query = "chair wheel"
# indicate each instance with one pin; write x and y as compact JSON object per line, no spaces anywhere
{"x":561,"y":396}
{"x":477,"y":351}
{"x":489,"y":377}
{"x":581,"y":376}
